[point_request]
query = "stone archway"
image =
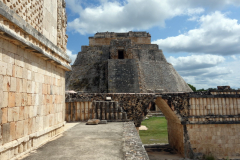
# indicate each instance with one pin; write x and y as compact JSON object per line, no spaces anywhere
{"x":175,"y":129}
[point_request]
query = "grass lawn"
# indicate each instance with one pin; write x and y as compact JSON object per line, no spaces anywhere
{"x":157,"y":131}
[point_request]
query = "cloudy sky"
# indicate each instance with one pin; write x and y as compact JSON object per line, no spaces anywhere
{"x":201,"y":38}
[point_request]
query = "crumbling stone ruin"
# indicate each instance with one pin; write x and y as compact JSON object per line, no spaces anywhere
{"x":135,"y":73}
{"x":33,"y":63}
{"x":123,"y":63}
{"x":123,"y":66}
{"x":200,"y":123}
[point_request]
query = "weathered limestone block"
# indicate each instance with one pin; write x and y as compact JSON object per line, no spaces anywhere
{"x":17,"y":71}
{"x":3,"y":68}
{"x":12,"y":131}
{"x":25,"y":125}
{"x":1,"y":97}
{"x":19,"y":85}
{"x":24,"y":86}
{"x":103,"y":122}
{"x":8,"y":57}
{"x":6,"y":83}
{"x":9,"y":69}
{"x":29,"y":99}
{"x":19,"y":129}
{"x":13,"y":86}
{"x":11,"y":99}
{"x":4,"y":115}
{"x":6,"y":132}
{"x":18,"y":99}
{"x":24,"y":99}
{"x":21,"y":113}
{"x":93,"y":122}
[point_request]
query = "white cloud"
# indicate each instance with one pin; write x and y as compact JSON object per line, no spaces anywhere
{"x":119,"y":16}
{"x":71,"y":55}
{"x":195,"y":11}
{"x":217,"y":34}
{"x":234,"y":57}
{"x":130,"y":15}
{"x":195,"y":61}
{"x":207,"y":71}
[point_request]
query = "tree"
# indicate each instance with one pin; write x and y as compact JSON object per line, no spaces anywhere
{"x":192,"y":87}
{"x":201,"y":90}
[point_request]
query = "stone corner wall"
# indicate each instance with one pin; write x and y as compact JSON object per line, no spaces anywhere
{"x":31,"y":99}
{"x":32,"y":77}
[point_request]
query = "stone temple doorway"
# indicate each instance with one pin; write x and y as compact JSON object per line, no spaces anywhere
{"x":162,"y":140}
{"x":120,"y":54}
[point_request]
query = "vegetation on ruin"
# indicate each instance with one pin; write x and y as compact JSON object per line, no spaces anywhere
{"x":157,"y":131}
{"x":192,"y":87}
{"x":200,"y":90}
{"x":208,"y":157}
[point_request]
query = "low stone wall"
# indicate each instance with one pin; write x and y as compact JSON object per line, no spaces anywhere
{"x":20,"y":147}
{"x":132,"y":144}
{"x":103,"y":110}
{"x":135,"y":105}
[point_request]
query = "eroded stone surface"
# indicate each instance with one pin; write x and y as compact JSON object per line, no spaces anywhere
{"x":123,"y":63}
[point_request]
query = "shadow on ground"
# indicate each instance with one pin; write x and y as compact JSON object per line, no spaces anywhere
{"x":161,"y":152}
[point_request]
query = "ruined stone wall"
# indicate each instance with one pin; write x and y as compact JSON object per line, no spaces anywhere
{"x":198,"y":123}
{"x":107,"y":41}
{"x":129,"y":63}
{"x":46,"y":16}
{"x":156,"y":74}
{"x":210,"y":122}
{"x":220,"y":140}
{"x":122,"y":76}
{"x":135,"y":105}
{"x":103,"y":110}
{"x":217,"y":109}
{"x":32,"y":78}
{"x":89,"y":70}
{"x":175,"y":136}
{"x":105,"y":38}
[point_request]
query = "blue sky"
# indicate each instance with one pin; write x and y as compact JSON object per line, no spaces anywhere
{"x":201,"y":38}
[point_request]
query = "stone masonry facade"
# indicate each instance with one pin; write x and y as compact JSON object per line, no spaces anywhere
{"x":123,"y":63}
{"x":32,"y":74}
{"x":33,"y":11}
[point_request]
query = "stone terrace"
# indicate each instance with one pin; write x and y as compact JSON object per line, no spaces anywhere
{"x":112,"y":141}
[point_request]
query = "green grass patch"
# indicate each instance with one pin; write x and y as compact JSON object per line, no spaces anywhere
{"x":157,"y":131}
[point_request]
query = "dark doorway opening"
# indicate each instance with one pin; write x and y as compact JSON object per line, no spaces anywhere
{"x":153,"y":108}
{"x":120,"y":54}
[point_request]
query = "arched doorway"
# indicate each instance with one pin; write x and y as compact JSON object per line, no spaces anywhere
{"x":163,"y":137}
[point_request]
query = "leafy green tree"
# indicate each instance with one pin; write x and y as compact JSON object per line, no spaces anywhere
{"x":192,"y":87}
{"x":199,"y":90}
